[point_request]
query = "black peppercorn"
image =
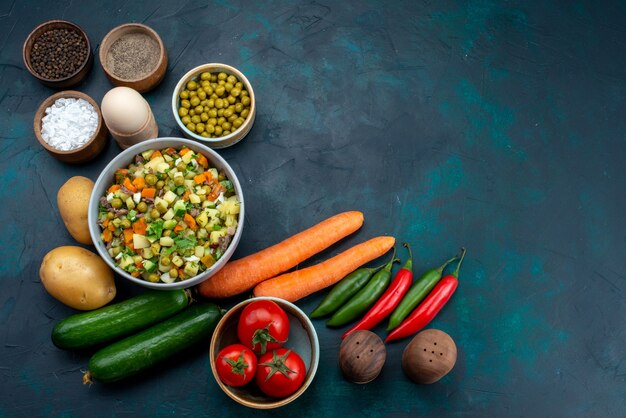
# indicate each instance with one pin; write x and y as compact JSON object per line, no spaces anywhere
{"x":58,"y":53}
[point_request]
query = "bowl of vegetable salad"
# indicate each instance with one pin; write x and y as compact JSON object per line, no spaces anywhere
{"x":166,"y":213}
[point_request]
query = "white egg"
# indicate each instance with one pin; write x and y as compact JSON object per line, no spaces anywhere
{"x":124,"y":110}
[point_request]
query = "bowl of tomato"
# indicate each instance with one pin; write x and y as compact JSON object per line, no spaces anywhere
{"x":264,"y":353}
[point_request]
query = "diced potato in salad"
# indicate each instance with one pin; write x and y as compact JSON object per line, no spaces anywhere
{"x":169,"y":216}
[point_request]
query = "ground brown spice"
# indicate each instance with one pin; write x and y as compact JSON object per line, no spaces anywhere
{"x":133,"y":56}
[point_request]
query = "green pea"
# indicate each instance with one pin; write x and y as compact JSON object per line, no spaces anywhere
{"x":228,"y":86}
{"x":211,"y":121}
{"x":221,"y":120}
{"x":185,"y":119}
{"x":151,"y":179}
{"x":142,"y":207}
{"x":220,"y":91}
{"x":154,"y":214}
{"x":235,"y":92}
{"x":218,"y":130}
{"x":182,"y":167}
{"x":219,"y":103}
{"x":179,"y":180}
{"x":210,"y":103}
{"x":200,"y":127}
{"x":173,"y":273}
{"x":206,"y":108}
{"x":214,"y":96}
{"x":208,"y":90}
{"x":153,"y":278}
{"x":244,"y":93}
{"x":212,"y":113}
{"x":220,"y":112}
{"x":110,"y":215}
{"x":225,"y":133}
{"x":227,"y":113}
{"x":192,"y":112}
{"x":244,"y":113}
{"x":183,"y":111}
{"x":238,"y":107}
{"x":205,"y":76}
{"x":232,"y":118}
{"x":192,"y":85}
{"x":213,"y":77}
{"x":184,"y":94}
{"x":231,"y":79}
{"x":191,"y":126}
{"x":116,"y":203}
{"x":231,"y":99}
{"x":204,"y":117}
{"x":222,"y":76}
{"x":210,"y":128}
{"x":185,"y":103}
{"x":239,"y":85}
{"x":202,"y":94}
{"x":194,"y":101}
{"x":199,"y":109}
{"x":160,"y":184}
{"x":196,"y":119}
{"x":125,"y":224}
{"x":245,"y":100}
{"x":205,"y":134}
{"x":226,"y":126}
{"x":192,"y":93}
{"x":205,"y":83}
{"x":204,"y":102}
{"x":237,"y":123}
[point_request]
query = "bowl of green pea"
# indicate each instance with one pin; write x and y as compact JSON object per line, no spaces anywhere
{"x":214,"y":104}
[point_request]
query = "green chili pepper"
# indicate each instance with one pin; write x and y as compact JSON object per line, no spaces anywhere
{"x":416,"y":293}
{"x":365,"y":298}
{"x":343,"y":291}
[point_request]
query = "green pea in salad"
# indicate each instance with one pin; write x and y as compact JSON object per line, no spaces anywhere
{"x":169,"y":216}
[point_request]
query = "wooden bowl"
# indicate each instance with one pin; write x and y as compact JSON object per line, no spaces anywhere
{"x":302,"y":339}
{"x":60,"y":83}
{"x":142,"y":84}
{"x":79,"y":155}
{"x":233,"y":137}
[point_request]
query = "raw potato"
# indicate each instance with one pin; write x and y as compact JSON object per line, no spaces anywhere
{"x":77,"y":277}
{"x":73,"y":201}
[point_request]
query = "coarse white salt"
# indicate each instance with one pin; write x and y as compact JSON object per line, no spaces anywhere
{"x":69,"y":124}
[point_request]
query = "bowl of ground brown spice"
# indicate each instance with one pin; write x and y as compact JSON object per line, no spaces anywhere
{"x":58,"y":54}
{"x":133,"y":55}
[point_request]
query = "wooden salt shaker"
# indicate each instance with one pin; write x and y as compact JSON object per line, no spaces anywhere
{"x":128,"y":116}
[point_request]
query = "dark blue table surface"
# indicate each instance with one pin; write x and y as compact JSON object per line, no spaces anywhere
{"x":495,"y":125}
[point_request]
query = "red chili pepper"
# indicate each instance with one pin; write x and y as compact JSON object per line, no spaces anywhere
{"x":430,"y":307}
{"x":389,"y":300}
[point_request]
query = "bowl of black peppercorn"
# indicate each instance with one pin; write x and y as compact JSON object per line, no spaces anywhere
{"x":58,"y":54}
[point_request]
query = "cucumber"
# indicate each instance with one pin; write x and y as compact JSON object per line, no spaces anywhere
{"x":153,"y":345}
{"x":112,"y":322}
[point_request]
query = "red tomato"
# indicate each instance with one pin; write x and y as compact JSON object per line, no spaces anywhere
{"x":236,"y":365}
{"x":280,"y":373}
{"x":263,"y":326}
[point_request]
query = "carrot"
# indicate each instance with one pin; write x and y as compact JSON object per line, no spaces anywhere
{"x":199,"y":179}
{"x":178,"y":228}
{"x":128,"y":238}
{"x":186,"y":195}
{"x":135,"y":273}
{"x":105,"y":223}
{"x":156,"y":154}
{"x":215,"y":192}
{"x":243,"y":274}
{"x":114,"y":188}
{"x":203,"y":161}
{"x":170,"y":151}
{"x":148,"y":192}
{"x":139,"y":183}
{"x":300,"y":283}
{"x":190,"y":221}
{"x":120,"y":174}
{"x":129,"y":185}
{"x":184,"y":151}
{"x":140,"y":227}
{"x":107,"y":235}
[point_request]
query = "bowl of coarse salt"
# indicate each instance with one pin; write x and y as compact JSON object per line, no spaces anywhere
{"x":69,"y":126}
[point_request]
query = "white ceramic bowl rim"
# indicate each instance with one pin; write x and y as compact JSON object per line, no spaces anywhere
{"x":105,"y":179}
{"x":195,"y":72}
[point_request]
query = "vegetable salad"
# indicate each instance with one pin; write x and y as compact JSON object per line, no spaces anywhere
{"x":168,"y":216}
